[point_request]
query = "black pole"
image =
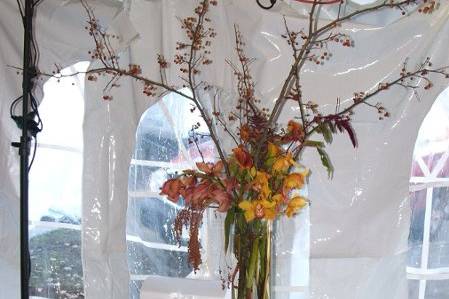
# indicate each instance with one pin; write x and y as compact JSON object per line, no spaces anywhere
{"x":24,"y":151}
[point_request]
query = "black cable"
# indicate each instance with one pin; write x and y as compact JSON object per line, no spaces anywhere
{"x":33,"y":119}
{"x":34,"y":53}
{"x":37,"y":2}
{"x":19,"y":4}
{"x":34,"y":154}
{"x":35,"y":111}
{"x":13,"y":106}
{"x":272,"y":3}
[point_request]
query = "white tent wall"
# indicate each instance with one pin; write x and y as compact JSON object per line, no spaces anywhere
{"x":359,"y":220}
{"x":61,"y":34}
{"x":109,"y":143}
{"x":9,"y":162}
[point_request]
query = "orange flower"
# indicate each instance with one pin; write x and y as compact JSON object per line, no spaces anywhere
{"x":210,"y":168}
{"x":295,"y":129}
{"x":294,"y":205}
{"x":294,"y":181}
{"x":205,"y":167}
{"x":172,"y":188}
{"x":243,"y":157}
{"x":188,"y":180}
{"x":223,"y":199}
{"x":245,"y":132}
{"x":295,"y":132}
{"x":283,"y":163}
{"x":261,"y":184}
{"x":230,"y":184}
{"x":195,"y":194}
{"x":279,"y":198}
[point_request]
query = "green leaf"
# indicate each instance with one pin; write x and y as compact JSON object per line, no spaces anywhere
{"x":263,"y":258}
{"x":325,"y":160}
{"x":229,"y":220}
{"x":332,"y":127}
{"x":269,"y":162}
{"x":325,"y":130}
{"x":233,"y":168}
{"x":311,"y":143}
{"x":252,"y":263}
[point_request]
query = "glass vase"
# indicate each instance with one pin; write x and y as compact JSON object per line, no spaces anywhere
{"x":252,"y":248}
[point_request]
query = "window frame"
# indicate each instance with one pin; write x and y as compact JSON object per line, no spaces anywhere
{"x":428,"y":182}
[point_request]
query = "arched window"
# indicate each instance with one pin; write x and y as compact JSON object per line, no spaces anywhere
{"x":55,"y":190}
{"x":428,"y":258}
{"x":162,"y":149}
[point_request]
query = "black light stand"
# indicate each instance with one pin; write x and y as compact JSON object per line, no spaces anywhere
{"x":25,"y":123}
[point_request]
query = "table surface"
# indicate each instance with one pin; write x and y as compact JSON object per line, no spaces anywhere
{"x":157,"y":287}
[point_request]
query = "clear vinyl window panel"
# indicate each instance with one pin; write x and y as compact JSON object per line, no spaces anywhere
{"x":428,"y":256}
{"x":55,"y":191}
{"x":162,"y":150}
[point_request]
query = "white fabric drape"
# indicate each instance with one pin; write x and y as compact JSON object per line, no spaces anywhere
{"x":9,"y":161}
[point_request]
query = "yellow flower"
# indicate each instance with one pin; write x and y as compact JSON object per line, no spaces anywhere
{"x":249,"y":208}
{"x":294,"y":205}
{"x":269,"y":209}
{"x":295,"y":180}
{"x":261,"y":184}
{"x":258,"y":209}
{"x":253,"y":171}
{"x":273,"y":150}
{"x":278,"y":198}
{"x":261,"y":178}
{"x":283,"y":163}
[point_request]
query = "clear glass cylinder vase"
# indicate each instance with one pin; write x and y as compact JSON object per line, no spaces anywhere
{"x":251,"y":247}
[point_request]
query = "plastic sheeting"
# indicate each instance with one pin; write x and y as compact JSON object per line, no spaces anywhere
{"x":359,"y":220}
{"x":55,"y":22}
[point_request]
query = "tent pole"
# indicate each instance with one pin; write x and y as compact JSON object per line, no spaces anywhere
{"x":24,"y":151}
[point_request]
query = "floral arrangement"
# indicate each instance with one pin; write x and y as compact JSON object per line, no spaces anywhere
{"x":252,"y":196}
{"x":258,"y":181}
